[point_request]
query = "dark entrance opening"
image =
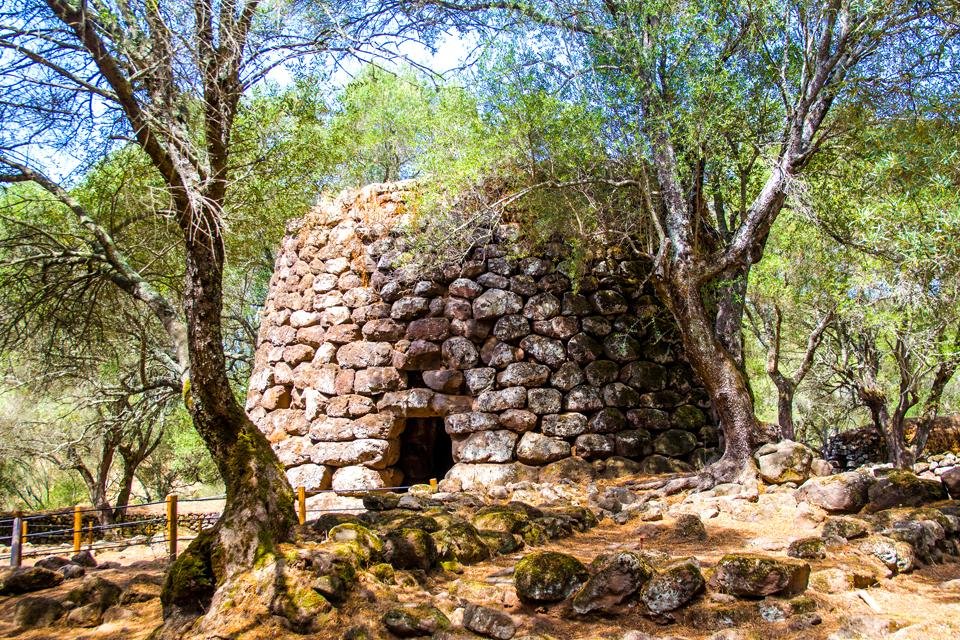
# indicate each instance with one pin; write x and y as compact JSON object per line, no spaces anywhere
{"x":426,"y":450}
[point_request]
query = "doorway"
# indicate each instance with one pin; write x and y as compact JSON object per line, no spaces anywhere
{"x":426,"y":450}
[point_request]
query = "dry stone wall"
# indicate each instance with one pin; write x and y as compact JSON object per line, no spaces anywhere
{"x":524,"y":374}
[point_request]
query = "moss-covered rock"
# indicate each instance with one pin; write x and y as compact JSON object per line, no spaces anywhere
{"x":534,"y":534}
{"x":500,"y":542}
{"x":690,"y":527}
{"x":846,"y":528}
{"x":419,"y":521}
{"x":808,"y":549}
{"x":500,"y":519}
{"x":412,"y":622}
{"x":368,"y":544}
{"x":579,"y":518}
{"x":903,"y":489}
{"x":36,"y":611}
{"x":410,"y":549}
{"x":840,"y":580}
{"x":616,"y":577}
{"x":555,"y":527}
{"x":461,"y":542}
{"x":784,"y":461}
{"x":548,"y":576}
{"x":672,"y":586}
{"x":380,"y":500}
{"x":27,"y":579}
{"x":383,"y":571}
{"x":756,"y":576}
{"x":327,"y":521}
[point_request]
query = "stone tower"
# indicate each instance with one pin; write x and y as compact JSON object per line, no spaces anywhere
{"x":369,"y":373}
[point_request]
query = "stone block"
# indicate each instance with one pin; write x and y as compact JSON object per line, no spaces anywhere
{"x":374,"y":380}
{"x":538,"y":449}
{"x":470,"y":422}
{"x":546,"y":350}
{"x":376,"y":454}
{"x":496,"y":302}
{"x":564,"y":425}
{"x":362,"y":354}
{"x":480,"y":379}
{"x":312,"y":477}
{"x":523,"y":374}
{"x":501,"y":400}
{"x":434,"y":329}
{"x":444,"y":380}
{"x":459,"y":353}
{"x":486,"y":446}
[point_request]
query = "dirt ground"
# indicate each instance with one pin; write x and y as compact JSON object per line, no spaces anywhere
{"x":924,"y":604}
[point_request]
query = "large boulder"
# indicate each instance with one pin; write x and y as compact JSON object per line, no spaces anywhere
{"x":903,"y":489}
{"x":672,"y":586}
{"x":951,"y":480}
{"x":840,"y":493}
{"x":784,"y":461}
{"x":754,"y":575}
{"x":618,"y":577}
{"x":548,"y":576}
{"x":27,"y":579}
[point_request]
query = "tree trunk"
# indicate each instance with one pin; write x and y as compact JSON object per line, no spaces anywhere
{"x":785,"y":413}
{"x":731,"y":301}
{"x":890,"y":427}
{"x":718,"y":371}
{"x":259,"y":512}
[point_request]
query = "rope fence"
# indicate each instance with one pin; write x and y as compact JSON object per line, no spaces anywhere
{"x":23,"y":528}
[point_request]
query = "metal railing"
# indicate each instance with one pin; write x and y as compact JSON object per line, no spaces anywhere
{"x":22,"y":524}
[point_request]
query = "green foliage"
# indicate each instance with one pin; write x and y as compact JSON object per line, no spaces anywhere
{"x":180,"y":463}
{"x":873,"y":233}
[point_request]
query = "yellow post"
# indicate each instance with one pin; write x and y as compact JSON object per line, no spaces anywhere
{"x":90,"y":534}
{"x":77,"y":529}
{"x":302,"y":504}
{"x":433,"y":485}
{"x":172,"y":525}
{"x":23,"y":531}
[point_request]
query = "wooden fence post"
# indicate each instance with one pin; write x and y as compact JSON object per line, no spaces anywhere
{"x":16,"y":540}
{"x":172,"y":525}
{"x":301,"y":504}
{"x":77,"y":529}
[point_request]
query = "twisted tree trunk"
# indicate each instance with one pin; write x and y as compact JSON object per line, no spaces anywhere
{"x":259,"y":512}
{"x":719,"y":372}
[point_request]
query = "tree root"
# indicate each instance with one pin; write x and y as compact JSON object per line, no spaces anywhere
{"x":723,"y":471}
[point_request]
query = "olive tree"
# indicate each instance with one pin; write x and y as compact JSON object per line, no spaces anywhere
{"x":82,"y":76}
{"x":716,"y":110}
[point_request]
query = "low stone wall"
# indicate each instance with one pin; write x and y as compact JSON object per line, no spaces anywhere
{"x":857,"y":447}
{"x":524,"y":368}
